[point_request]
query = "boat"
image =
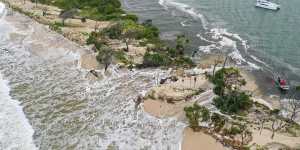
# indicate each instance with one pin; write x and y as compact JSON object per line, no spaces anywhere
{"x":267,"y":5}
{"x":282,"y":84}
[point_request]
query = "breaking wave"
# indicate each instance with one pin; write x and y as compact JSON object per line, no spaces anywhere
{"x":217,"y":38}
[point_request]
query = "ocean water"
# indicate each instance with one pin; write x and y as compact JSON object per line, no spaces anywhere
{"x":15,"y":130}
{"x":260,"y":39}
{"x":47,"y":100}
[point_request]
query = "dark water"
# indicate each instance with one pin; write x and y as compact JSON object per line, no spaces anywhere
{"x":263,"y":39}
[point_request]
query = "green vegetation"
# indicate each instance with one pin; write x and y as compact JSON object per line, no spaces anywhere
{"x":181,"y":43}
{"x":233,"y":102}
{"x":230,"y":99}
{"x":56,"y":27}
{"x":218,"y":121}
{"x":121,"y":56}
{"x":156,"y":59}
{"x":126,"y":28}
{"x":128,"y":31}
{"x":195,"y":114}
{"x":234,"y":130}
{"x":132,"y":30}
{"x":93,"y":9}
{"x":104,"y":55}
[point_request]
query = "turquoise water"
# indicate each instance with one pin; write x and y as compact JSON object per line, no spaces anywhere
{"x":268,"y":40}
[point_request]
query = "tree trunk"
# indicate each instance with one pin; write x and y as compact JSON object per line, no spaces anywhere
{"x":96,"y":25}
{"x":261,"y":127}
{"x":215,"y":65}
{"x":127,"y":46}
{"x":225,"y":62}
{"x":273,"y":129}
{"x":273,"y":134}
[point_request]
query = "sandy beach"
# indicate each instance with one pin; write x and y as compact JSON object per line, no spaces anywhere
{"x":166,"y":100}
{"x":199,"y":141}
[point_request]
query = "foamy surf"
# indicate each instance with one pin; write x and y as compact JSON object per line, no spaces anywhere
{"x":184,"y":8}
{"x":218,"y":39}
{"x":15,"y":130}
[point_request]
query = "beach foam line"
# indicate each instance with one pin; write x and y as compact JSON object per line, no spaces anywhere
{"x":184,"y":8}
{"x":221,"y":38}
{"x":2,"y":10}
{"x":15,"y":130}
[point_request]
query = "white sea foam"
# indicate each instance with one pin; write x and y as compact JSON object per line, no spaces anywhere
{"x":254,"y":66}
{"x":2,"y":11}
{"x":184,"y":23}
{"x":204,"y":39}
{"x":184,"y":8}
{"x":15,"y":130}
{"x":237,"y":57}
{"x":258,"y":60}
{"x":207,"y":49}
{"x":224,"y":38}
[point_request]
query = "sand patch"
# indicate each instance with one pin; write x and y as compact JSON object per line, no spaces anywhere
{"x":199,"y":141}
{"x":265,"y":138}
{"x":89,"y":61}
{"x":162,"y":109}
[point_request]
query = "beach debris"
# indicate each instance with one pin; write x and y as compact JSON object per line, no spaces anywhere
{"x":93,"y":72}
{"x":138,"y":101}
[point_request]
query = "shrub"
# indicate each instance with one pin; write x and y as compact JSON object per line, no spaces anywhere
{"x":131,"y":17}
{"x":114,"y":32}
{"x":181,"y":43}
{"x":233,"y":102}
{"x":235,"y":130}
{"x":104,"y":55}
{"x":56,"y":27}
{"x":184,"y":61}
{"x":219,"y":90}
{"x":97,"y":39}
{"x":156,"y":59}
{"x":218,"y":121}
{"x":195,"y":114}
{"x":121,"y":56}
{"x":172,"y":52}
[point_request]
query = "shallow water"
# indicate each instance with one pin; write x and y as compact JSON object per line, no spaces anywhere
{"x":256,"y":38}
{"x":65,"y":109}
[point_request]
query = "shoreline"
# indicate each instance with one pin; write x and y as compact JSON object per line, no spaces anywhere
{"x":262,"y":76}
{"x":89,"y":64}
